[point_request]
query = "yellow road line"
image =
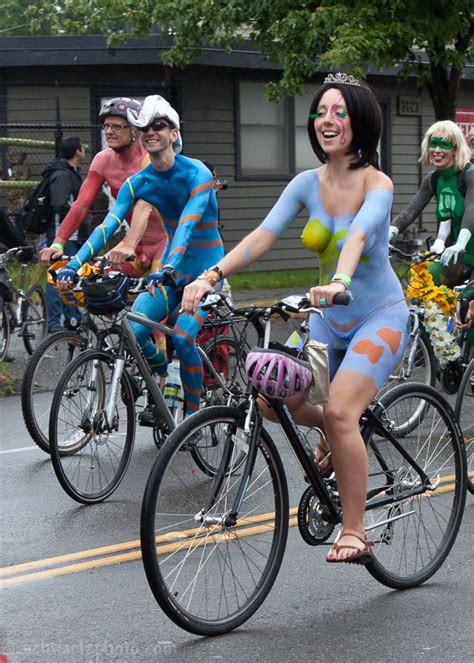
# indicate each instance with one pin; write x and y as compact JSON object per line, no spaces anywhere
{"x":127,"y":557}
{"x":165,"y":543}
{"x":126,"y":545}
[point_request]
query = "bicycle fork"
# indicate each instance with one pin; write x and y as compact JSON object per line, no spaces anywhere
{"x":252,"y":427}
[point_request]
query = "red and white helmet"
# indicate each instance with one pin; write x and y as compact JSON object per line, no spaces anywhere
{"x":277,"y":374}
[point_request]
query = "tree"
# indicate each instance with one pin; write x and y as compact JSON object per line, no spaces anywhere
{"x":430,"y":39}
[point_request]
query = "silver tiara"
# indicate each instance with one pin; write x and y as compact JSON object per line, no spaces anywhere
{"x":344,"y":79}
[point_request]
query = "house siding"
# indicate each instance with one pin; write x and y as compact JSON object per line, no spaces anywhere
{"x":207,"y":99}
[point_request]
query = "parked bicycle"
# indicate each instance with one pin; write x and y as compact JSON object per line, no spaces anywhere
{"x":22,"y":311}
{"x":93,"y":412}
{"x":212,"y":544}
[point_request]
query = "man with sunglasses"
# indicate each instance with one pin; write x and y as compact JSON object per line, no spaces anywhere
{"x":182,"y":189}
{"x":123,"y":156}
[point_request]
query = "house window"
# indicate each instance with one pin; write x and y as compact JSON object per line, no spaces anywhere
{"x":272,"y":139}
{"x":305,"y":158}
{"x":263,"y":132}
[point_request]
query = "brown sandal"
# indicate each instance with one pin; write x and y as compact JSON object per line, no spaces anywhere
{"x":359,"y":557}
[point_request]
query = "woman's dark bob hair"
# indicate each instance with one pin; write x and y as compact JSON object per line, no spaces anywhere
{"x":366,"y":122}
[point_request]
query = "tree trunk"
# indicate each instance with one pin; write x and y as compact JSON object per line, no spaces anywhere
{"x":443,"y":90}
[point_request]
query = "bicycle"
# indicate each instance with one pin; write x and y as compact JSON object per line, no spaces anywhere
{"x":92,"y":419}
{"x":212,"y":546}
{"x":27,"y":311}
{"x":53,"y":354}
{"x":418,"y":363}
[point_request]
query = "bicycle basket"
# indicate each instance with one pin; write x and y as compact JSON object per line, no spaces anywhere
{"x":68,"y":297}
{"x":107,"y":295}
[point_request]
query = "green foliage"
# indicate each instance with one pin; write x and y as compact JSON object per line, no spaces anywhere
{"x":299,"y":34}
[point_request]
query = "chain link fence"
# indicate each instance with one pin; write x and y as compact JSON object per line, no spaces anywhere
{"x":33,"y":140}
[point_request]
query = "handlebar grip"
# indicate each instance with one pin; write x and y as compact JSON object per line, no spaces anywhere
{"x":342,"y":298}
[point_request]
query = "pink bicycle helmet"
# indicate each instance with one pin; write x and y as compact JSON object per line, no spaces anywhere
{"x":277,"y":374}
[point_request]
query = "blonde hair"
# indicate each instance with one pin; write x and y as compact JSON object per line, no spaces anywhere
{"x":448,"y":131}
{"x":469,"y":137}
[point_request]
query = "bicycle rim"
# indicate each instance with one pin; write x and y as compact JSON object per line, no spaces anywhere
{"x":412,"y":536}
{"x":35,"y":319}
{"x":465,"y":415}
{"x":5,"y":333}
{"x":208,"y":577}
{"x":90,"y":458}
{"x":40,"y":379}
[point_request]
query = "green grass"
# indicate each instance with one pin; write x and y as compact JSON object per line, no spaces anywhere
{"x":287,"y":278}
{"x":7,"y":382}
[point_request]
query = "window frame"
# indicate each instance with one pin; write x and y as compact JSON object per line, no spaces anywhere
{"x":289,"y":110}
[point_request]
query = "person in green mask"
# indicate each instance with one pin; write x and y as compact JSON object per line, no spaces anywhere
{"x":452,"y":183}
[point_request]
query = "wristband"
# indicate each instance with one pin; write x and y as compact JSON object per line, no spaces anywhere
{"x":57,"y":246}
{"x":342,"y":278}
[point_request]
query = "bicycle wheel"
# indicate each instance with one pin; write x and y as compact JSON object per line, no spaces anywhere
{"x":90,"y":455}
{"x":5,"y":333}
{"x":414,"y":534}
{"x":228,"y":360}
{"x":209,"y":576}
{"x":465,"y":415}
{"x":34,"y":318}
{"x":40,"y":379}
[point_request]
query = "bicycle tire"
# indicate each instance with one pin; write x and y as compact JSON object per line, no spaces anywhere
{"x":98,"y":459}
{"x":34,"y":318}
{"x":414,"y":535}
{"x":464,"y":410}
{"x":5,"y":331}
{"x":228,"y":359}
{"x":188,"y":562}
{"x":40,"y":379}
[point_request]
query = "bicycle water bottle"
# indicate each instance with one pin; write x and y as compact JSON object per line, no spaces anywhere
{"x":173,"y":389}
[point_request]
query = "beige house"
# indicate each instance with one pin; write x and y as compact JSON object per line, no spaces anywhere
{"x":49,"y":85}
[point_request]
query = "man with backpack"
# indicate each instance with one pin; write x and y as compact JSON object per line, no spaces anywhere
{"x":63,"y":183}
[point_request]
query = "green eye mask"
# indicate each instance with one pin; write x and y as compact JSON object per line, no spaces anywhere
{"x":441,"y":143}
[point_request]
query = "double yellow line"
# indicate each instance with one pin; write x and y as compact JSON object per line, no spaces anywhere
{"x":115,"y":554}
{"x":129,"y":551}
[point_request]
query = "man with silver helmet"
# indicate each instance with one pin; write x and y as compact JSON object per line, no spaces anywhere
{"x":123,"y":156}
{"x":182,"y":189}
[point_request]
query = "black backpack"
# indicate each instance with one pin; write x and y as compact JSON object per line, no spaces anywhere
{"x":37,"y":213}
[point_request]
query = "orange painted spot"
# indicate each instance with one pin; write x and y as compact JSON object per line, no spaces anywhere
{"x":373,"y":352}
{"x":390,"y":337}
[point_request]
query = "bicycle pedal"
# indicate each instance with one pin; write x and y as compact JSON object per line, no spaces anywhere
{"x":147,"y":417}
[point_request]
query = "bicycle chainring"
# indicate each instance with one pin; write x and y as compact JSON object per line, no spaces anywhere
{"x":311,"y":524}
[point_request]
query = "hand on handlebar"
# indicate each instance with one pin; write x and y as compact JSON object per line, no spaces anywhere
{"x":49,"y":254}
{"x":193,"y":293}
{"x":119,"y":255}
{"x":164,"y":276}
{"x":66,"y":277}
{"x":322,"y":296}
